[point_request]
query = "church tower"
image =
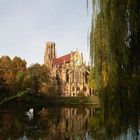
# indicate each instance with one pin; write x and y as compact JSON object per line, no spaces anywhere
{"x":50,"y":54}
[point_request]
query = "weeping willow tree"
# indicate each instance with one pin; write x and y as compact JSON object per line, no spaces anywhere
{"x":115,"y":39}
{"x":114,"y":44}
{"x":115,"y":56}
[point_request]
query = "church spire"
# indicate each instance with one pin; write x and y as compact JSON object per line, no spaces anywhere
{"x":50,"y":54}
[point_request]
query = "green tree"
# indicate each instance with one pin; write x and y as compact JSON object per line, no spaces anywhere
{"x":114,"y":51}
{"x":91,"y":80}
{"x":19,"y":68}
{"x":37,"y":78}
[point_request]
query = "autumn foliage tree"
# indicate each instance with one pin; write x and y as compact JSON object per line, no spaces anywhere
{"x":16,"y":77}
{"x":6,"y":74}
{"x":37,"y":78}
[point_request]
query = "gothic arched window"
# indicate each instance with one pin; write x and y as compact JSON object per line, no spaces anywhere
{"x":67,"y":76}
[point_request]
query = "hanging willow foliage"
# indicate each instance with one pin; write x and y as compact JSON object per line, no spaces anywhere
{"x":115,"y":56}
{"x":114,"y":39}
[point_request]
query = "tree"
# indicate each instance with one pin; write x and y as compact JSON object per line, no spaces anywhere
{"x":19,"y":68}
{"x":6,"y":73}
{"x":19,"y":64}
{"x":114,"y":51}
{"x":37,"y":78}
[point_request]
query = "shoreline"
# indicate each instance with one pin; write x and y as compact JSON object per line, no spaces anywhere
{"x":68,"y":101}
{"x":62,"y":100}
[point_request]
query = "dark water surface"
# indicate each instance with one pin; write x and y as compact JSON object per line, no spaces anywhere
{"x":18,"y":122}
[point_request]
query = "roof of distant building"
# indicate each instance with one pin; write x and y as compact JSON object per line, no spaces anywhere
{"x":60,"y":60}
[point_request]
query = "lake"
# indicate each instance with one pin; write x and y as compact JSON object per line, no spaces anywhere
{"x":27,"y":122}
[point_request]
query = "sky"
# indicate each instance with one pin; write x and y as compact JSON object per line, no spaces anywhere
{"x":26,"y":26}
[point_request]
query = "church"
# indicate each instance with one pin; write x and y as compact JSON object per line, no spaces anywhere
{"x":69,"y":72}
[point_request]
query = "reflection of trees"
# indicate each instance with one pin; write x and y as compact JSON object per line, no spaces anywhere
{"x":12,"y":124}
{"x":122,"y":110}
{"x":69,"y":123}
{"x":47,"y":123}
{"x":119,"y":116}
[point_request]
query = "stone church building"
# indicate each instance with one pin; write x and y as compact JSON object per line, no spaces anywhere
{"x":69,"y":71}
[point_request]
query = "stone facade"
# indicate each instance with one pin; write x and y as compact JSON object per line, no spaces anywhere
{"x":69,"y":72}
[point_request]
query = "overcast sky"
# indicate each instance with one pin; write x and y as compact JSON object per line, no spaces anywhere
{"x":26,"y":26}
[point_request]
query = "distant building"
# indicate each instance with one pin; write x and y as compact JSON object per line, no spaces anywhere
{"x":69,"y":71}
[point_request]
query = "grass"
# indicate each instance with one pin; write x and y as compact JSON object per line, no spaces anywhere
{"x":77,"y":100}
{"x":54,"y":101}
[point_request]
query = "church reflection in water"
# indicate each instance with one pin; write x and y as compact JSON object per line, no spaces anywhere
{"x":69,"y":123}
{"x":81,"y":123}
{"x":45,"y":123}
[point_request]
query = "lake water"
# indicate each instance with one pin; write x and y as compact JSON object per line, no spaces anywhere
{"x":24,"y":122}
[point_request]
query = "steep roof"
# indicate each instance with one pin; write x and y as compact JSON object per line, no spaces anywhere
{"x":65,"y":58}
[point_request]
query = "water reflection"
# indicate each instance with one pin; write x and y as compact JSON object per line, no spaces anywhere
{"x":30,"y":113}
{"x":83,"y":123}
{"x":66,"y":123}
{"x":45,"y":123}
